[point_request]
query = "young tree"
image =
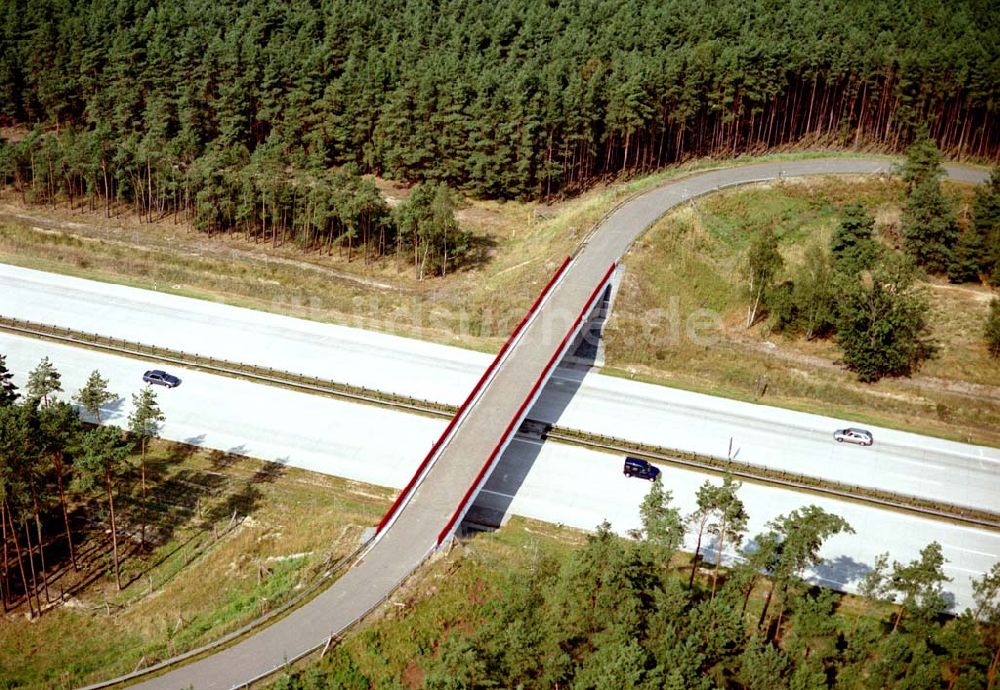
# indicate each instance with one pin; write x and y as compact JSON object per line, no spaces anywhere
{"x":427,"y":219}
{"x":8,"y":391}
{"x":923,"y":161}
{"x":882,"y":323}
{"x":986,"y":225}
{"x":759,"y":557}
{"x":764,"y":666}
{"x":813,"y":625}
{"x":991,"y":333}
{"x":799,"y":536}
{"x":661,"y":523}
{"x":731,"y":520}
{"x":852,"y":246}
{"x":964,"y":653}
{"x":969,"y":257}
{"x":920,"y":582}
{"x":930,"y":230}
{"x":706,"y":500}
{"x":875,"y":584}
{"x":103,"y":459}
{"x":986,"y":596}
{"x":94,"y":395}
{"x":144,"y":423}
{"x":43,"y":381}
{"x":761,"y":264}
{"x":808,"y":304}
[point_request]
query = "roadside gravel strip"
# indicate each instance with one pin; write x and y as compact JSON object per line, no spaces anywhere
{"x":931,"y":508}
{"x":406,"y":544}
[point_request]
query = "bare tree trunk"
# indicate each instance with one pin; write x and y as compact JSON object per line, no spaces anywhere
{"x":423,"y":261}
{"x":5,"y":583}
{"x":767,"y":604}
{"x":20,"y":558}
{"x":41,"y":552}
{"x":991,"y":675}
{"x":114,"y":528}
{"x":416,"y":255}
{"x":697,"y":549}
{"x":142,"y":465}
{"x":752,"y":315}
{"x":57,"y":461}
{"x":746,"y":597}
{"x":718,"y":554}
{"x":899,"y":617}
{"x":31,"y":566}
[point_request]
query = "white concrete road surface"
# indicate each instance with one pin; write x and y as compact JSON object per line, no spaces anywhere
{"x":956,"y":473}
{"x":557,"y":483}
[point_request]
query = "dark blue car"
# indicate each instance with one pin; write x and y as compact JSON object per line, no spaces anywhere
{"x":637,"y":467}
{"x":161,"y":378}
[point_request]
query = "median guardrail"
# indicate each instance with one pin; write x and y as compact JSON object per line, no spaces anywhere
{"x":759,"y":473}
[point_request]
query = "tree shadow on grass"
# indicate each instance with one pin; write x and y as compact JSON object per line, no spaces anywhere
{"x":479,"y":253}
{"x":246,"y":499}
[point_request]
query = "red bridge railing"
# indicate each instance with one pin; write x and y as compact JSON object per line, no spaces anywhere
{"x":525,"y":404}
{"x":408,"y":489}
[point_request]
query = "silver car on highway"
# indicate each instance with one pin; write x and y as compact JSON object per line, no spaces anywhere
{"x":862,"y":437}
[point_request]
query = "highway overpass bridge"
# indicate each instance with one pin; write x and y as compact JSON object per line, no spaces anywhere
{"x":432,"y":506}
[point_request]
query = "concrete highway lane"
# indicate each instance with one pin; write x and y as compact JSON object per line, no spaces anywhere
{"x":785,"y":440}
{"x":560,"y":484}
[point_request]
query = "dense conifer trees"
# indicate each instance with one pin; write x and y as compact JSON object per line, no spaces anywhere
{"x":158,"y":102}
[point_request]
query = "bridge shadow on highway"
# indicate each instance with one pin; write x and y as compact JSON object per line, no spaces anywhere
{"x":492,"y":506}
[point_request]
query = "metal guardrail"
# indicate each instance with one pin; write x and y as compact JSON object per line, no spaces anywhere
{"x":790,"y":480}
{"x":242,"y":631}
{"x":758,"y":473}
{"x":223,"y":366}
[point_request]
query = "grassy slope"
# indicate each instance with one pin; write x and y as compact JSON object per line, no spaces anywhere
{"x":691,"y":259}
{"x":205,"y":580}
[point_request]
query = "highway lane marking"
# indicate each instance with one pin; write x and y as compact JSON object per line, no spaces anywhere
{"x":518,"y":439}
{"x":961,"y":548}
{"x":496,"y":493}
{"x":911,"y":478}
{"x":899,"y":458}
{"x":963,"y":570}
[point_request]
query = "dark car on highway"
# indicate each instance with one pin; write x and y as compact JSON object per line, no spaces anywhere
{"x":161,"y":378}
{"x":637,"y":467}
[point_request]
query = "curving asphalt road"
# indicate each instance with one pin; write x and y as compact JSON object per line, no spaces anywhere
{"x":407,"y":542}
